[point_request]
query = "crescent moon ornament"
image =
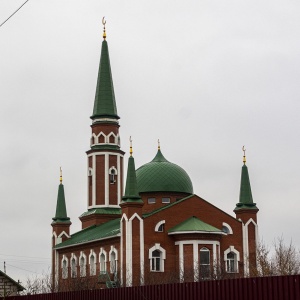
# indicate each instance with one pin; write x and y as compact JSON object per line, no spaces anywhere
{"x":104,"y":32}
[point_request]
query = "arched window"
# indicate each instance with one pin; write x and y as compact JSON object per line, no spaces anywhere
{"x":156,"y":261}
{"x":102,"y":260}
{"x":231,"y":258}
{"x":102,"y":263}
{"x":113,"y":262}
{"x":231,"y":263}
{"x":73,"y":266}
{"x":204,"y":263}
{"x":112,"y":175}
{"x":157,"y":255}
{"x":64,"y":266}
{"x":82,"y":265}
{"x":160,"y":226}
{"x":92,"y":260}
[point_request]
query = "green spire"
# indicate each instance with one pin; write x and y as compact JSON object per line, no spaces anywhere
{"x":246,"y":200}
{"x":61,"y":210}
{"x":131,"y":191}
{"x":105,"y":104}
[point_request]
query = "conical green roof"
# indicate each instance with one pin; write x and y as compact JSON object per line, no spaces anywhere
{"x":160,"y":175}
{"x":194,"y":224}
{"x":61,"y":210}
{"x":131,"y":191}
{"x":246,"y":200}
{"x":105,"y":104}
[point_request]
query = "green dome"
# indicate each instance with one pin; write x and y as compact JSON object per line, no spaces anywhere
{"x":160,"y":175}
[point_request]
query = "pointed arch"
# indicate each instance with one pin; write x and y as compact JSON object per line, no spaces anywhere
{"x":82,"y":264}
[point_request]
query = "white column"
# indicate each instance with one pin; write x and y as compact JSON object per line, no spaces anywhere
{"x":119,"y":178}
{"x":94,"y":167}
{"x":106,"y":183}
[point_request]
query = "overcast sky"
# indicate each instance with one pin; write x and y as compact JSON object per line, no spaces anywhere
{"x":205,"y":77}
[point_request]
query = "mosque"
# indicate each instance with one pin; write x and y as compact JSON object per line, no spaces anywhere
{"x":156,"y":231}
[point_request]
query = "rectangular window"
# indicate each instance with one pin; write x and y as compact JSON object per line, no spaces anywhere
{"x":151,"y":200}
{"x":165,"y":200}
{"x":204,"y":263}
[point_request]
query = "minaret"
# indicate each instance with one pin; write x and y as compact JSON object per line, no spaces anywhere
{"x":132,"y":230}
{"x":246,"y":211}
{"x":105,"y":158}
{"x":61,"y":227}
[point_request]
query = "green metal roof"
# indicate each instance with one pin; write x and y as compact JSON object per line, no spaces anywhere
{"x":194,"y":224}
{"x":160,"y":175}
{"x":102,"y":211}
{"x":105,"y":103}
{"x":246,"y":200}
{"x":61,"y":210}
{"x":131,"y":191}
{"x":93,"y":233}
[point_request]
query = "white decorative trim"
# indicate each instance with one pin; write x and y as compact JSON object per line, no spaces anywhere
{"x":228,"y":226}
{"x":104,"y":253}
{"x":82,"y":268}
{"x":124,"y":217}
{"x":195,"y":244}
{"x":94,"y":180}
{"x":246,"y":243}
{"x":158,"y":225}
{"x":196,"y":231}
{"x":64,"y":271}
{"x":163,"y":256}
{"x":196,"y":261}
{"x":115,"y":251}
{"x":108,"y":137}
{"x":119,"y":178}
{"x":92,"y":253}
{"x":237,"y":253}
{"x":105,"y":120}
{"x":73,"y":271}
{"x":106,"y":180}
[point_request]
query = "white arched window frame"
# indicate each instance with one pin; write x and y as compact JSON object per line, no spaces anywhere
{"x":102,"y":260}
{"x":114,"y":138}
{"x":159,"y":227}
{"x":98,"y":138}
{"x":82,"y":264}
{"x":231,"y":258}
{"x":64,"y":267}
{"x":73,"y":263}
{"x":227,"y":228}
{"x":94,"y":139}
{"x":112,"y":175}
{"x":157,"y":256}
{"x":113,"y":259}
{"x":92,"y":262}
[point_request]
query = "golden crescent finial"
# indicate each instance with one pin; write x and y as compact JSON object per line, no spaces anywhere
{"x":130,"y":140}
{"x":104,"y":32}
{"x":158,"y":144}
{"x":60,"y":176}
{"x":244,"y":157}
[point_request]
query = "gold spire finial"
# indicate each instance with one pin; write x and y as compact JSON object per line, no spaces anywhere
{"x":104,"y":32}
{"x":130,"y":151}
{"x":158,"y":144}
{"x":60,"y":176}
{"x":244,"y":157}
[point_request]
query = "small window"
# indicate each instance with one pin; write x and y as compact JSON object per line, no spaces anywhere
{"x":65,"y":268}
{"x":82,"y":266}
{"x":156,"y":261}
{"x":165,"y":200}
{"x":112,"y":175}
{"x":225,"y":229}
{"x":113,"y":267}
{"x":151,"y":200}
{"x":161,"y":228}
{"x":231,"y":263}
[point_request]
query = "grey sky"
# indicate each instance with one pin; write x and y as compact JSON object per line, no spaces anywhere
{"x":205,"y":77}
